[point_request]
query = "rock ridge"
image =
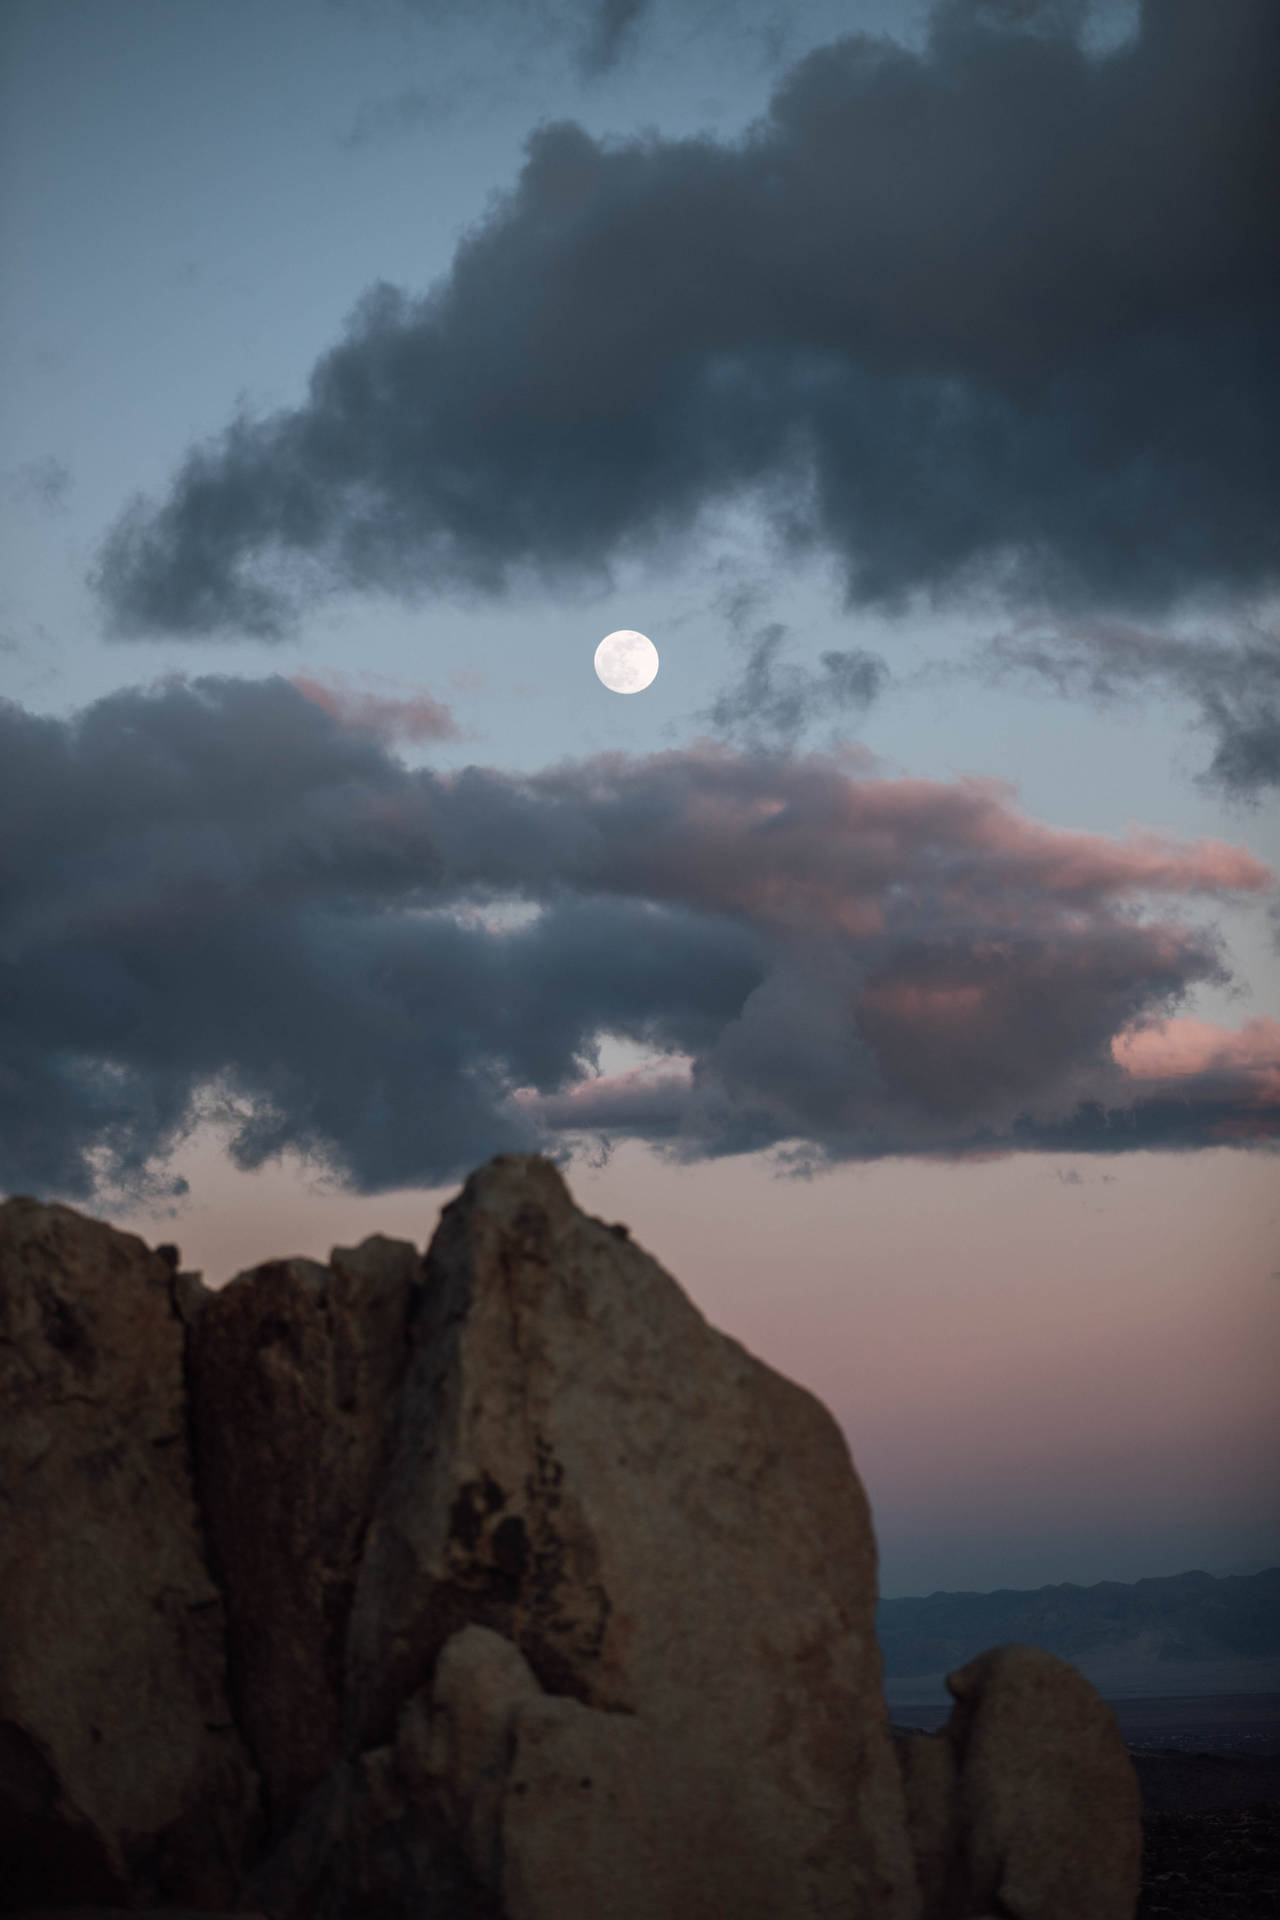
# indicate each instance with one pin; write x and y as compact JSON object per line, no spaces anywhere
{"x":490,"y":1584}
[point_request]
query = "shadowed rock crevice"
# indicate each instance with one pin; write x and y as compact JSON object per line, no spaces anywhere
{"x":295,"y":1372}
{"x":533,"y":1598}
{"x":48,"y":1854}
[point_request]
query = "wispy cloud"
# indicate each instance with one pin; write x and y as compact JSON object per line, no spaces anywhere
{"x":610,"y":25}
{"x":44,"y":483}
{"x":774,"y":701}
{"x":1234,"y":684}
{"x":398,"y":114}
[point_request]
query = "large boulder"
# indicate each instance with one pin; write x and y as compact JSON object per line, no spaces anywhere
{"x":1027,"y":1802}
{"x":122,"y":1774}
{"x":295,"y":1372}
{"x":663,"y":1528}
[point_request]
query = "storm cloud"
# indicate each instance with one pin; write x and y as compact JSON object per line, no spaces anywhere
{"x":224,"y":897}
{"x":1003,"y":311}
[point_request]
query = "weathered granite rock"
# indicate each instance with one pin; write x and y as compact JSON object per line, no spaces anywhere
{"x":455,"y":1740}
{"x":295,"y":1372}
{"x":1026,"y":1803}
{"x":659,"y":1523}
{"x":543,"y":1601}
{"x":121,"y":1772}
{"x":1049,"y":1801}
{"x":571,"y":1813}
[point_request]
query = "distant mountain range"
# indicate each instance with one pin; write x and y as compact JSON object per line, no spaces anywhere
{"x":1187,"y":1621}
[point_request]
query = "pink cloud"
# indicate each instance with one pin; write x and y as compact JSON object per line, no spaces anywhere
{"x":654,"y":1095}
{"x":804,"y":844}
{"x":1187,"y":1049}
{"x":389,"y":717}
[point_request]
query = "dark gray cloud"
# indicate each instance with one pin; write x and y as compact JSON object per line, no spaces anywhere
{"x":226,"y":896}
{"x":1234,"y":684}
{"x":999,"y":310}
{"x":773,"y":701}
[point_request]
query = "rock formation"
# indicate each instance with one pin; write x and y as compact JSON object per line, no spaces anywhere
{"x":495,"y":1586}
{"x":1027,"y":1802}
{"x":122,"y":1772}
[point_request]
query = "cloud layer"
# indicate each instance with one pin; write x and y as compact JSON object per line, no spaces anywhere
{"x":226,"y":896}
{"x":1000,"y":310}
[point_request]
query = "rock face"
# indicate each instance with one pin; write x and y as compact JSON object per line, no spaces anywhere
{"x":660,"y":1524}
{"x":121,"y":1770}
{"x":295,"y":1371}
{"x":566,"y":1810}
{"x":1027,"y":1802}
{"x":497,"y":1586}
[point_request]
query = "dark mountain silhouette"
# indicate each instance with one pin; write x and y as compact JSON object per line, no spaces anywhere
{"x":1185,"y":1617}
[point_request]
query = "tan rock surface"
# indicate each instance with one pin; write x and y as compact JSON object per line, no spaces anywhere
{"x":659,"y":1522}
{"x":1049,"y":1801}
{"x":120,"y":1770}
{"x":571,"y":1813}
{"x":458,"y":1742}
{"x":295,"y":1372}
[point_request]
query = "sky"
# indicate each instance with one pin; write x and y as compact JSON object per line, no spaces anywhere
{"x":902,"y":964}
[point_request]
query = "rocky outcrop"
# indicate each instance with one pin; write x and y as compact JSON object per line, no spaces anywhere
{"x":497,"y":1586}
{"x":122,"y":1773}
{"x":1027,"y":1802}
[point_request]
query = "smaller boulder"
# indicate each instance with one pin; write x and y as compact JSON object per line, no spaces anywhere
{"x":1048,"y":1800}
{"x":568,"y":1812}
{"x":459,"y":1741}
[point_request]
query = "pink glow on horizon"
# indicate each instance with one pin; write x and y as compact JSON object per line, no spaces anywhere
{"x":1047,"y":1369}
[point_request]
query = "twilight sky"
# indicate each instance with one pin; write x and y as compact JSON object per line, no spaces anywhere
{"x":902,"y":964}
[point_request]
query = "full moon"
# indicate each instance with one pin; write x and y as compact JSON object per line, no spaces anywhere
{"x":626,"y":661}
